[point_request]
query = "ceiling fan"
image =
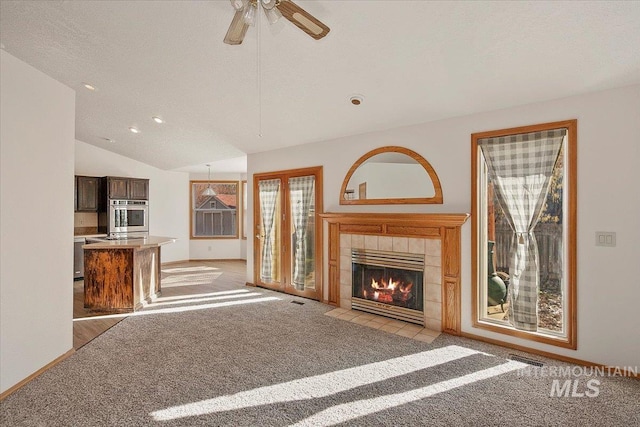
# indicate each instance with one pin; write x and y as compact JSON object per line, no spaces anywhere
{"x":246,"y":11}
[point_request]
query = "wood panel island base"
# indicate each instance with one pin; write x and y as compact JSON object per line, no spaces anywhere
{"x":121,"y":275}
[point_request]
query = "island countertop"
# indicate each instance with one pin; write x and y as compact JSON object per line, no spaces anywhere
{"x":136,"y":243}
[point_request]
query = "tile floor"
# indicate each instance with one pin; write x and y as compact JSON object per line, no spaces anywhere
{"x":393,"y":326}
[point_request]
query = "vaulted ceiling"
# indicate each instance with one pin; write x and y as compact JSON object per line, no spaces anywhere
{"x":413,"y":61}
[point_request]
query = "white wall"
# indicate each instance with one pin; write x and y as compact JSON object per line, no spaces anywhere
{"x":168,"y":194}
{"x":37,"y":127}
{"x":217,"y":248}
{"x":608,"y":176}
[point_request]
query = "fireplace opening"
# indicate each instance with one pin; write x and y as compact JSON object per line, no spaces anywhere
{"x":388,"y":283}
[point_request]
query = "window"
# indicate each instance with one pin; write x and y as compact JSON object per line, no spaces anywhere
{"x":524,"y":232}
{"x":214,"y":216}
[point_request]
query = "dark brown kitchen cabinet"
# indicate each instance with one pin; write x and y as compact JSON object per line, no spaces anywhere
{"x":87,"y":188}
{"x":118,"y":188}
{"x":127,"y":188}
{"x":139,"y":189}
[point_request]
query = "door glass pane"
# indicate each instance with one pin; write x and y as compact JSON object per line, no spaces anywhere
{"x":302,"y":195}
{"x":269,"y":234}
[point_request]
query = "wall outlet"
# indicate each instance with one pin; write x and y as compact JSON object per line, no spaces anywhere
{"x":605,"y":238}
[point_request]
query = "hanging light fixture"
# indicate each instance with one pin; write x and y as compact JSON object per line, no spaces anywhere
{"x":209,"y":191}
{"x":247,"y":13}
{"x":271,"y":11}
{"x":250,"y":7}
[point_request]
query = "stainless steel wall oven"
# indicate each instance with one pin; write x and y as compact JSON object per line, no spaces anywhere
{"x":128,"y":216}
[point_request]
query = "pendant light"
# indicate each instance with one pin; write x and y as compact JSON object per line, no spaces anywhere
{"x":209,"y":191}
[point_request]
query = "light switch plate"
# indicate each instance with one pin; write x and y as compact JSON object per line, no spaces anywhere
{"x":605,"y":238}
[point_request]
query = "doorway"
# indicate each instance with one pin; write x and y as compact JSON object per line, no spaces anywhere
{"x":288,"y":235}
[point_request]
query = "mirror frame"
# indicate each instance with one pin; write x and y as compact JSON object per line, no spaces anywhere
{"x":435,"y":200}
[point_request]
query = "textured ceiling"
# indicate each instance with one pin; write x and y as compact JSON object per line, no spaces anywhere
{"x":414,"y":62}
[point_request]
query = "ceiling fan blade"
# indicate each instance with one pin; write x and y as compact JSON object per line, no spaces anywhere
{"x":303,"y":19}
{"x":237,"y":29}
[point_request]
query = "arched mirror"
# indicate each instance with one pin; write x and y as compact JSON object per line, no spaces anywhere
{"x":391,"y":175}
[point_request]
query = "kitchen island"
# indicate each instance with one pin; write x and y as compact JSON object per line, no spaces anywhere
{"x":121,"y":275}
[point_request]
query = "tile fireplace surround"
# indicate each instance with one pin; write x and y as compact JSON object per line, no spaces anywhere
{"x":437,"y":236}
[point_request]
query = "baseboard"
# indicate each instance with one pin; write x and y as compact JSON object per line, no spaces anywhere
{"x":199,"y":260}
{"x":173,"y":262}
{"x":250,"y":284}
{"x":624,"y":372}
{"x":49,"y":365}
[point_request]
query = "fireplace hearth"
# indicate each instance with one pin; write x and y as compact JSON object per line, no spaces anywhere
{"x":389,"y":284}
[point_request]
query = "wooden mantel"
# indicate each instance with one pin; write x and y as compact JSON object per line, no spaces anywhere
{"x":445,"y":227}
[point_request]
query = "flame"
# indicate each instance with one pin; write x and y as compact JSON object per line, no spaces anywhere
{"x":406,"y":288}
{"x":390,"y":285}
{"x":391,"y":291}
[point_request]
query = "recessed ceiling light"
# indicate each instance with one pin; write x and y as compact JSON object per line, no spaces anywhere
{"x":108,"y":139}
{"x":134,"y":129}
{"x":157,"y":119}
{"x":89,"y":86}
{"x":356,"y":99}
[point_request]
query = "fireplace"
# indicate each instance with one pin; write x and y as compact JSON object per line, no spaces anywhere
{"x":434,"y":237}
{"x":388,"y":283}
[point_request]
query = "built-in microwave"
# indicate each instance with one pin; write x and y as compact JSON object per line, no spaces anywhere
{"x":128,"y":216}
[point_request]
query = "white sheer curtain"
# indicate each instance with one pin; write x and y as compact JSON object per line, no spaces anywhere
{"x":301,"y":194}
{"x":268,"y":193}
{"x":520,"y":167}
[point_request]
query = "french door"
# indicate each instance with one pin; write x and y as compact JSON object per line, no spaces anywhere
{"x":288,"y":233}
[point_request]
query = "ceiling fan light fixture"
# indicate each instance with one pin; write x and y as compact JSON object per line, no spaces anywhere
{"x":250,"y":14}
{"x":269,"y":4}
{"x":238,"y":4}
{"x":273,"y":15}
{"x":246,"y":16}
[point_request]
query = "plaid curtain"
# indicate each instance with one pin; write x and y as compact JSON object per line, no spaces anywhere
{"x":268,"y":193}
{"x":520,"y":167}
{"x":301,"y":191}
